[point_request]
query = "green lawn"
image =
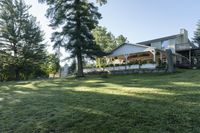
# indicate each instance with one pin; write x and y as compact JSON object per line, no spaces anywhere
{"x":130,"y":103}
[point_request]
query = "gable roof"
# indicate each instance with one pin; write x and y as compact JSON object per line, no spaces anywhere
{"x":144,"y":46}
{"x":128,"y":48}
{"x":160,"y":39}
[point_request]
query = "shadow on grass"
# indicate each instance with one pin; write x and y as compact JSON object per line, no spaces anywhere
{"x":133,"y":103}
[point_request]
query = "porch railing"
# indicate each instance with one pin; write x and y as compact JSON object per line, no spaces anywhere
{"x":119,"y":68}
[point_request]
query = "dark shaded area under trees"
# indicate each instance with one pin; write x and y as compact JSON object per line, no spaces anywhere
{"x":22,"y":49}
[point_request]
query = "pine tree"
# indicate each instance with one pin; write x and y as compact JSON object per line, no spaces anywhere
{"x":75,"y":19}
{"x":197,"y":34}
{"x":20,"y":36}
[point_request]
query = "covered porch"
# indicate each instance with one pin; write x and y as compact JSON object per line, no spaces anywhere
{"x":131,"y":56}
{"x":149,"y":56}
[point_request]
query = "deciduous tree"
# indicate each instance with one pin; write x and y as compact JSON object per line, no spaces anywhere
{"x":105,"y":39}
{"x":121,"y":39}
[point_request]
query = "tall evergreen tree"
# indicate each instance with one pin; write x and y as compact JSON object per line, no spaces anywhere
{"x":197,"y":34}
{"x":20,"y":36}
{"x":75,"y":19}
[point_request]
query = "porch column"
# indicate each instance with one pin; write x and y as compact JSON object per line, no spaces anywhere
{"x":107,"y":60}
{"x":153,"y":52}
{"x":113,"y":62}
{"x":126,"y":59}
{"x":154,"y":55}
{"x":190,"y":56}
{"x":161,"y":57}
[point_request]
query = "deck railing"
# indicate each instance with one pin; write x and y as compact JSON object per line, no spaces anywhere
{"x":184,"y":46}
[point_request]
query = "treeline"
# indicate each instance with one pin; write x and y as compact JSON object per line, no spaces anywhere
{"x":106,"y":40}
{"x":22,"y":49}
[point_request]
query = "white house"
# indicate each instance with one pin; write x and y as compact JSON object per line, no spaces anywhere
{"x":178,"y":43}
{"x":151,"y":53}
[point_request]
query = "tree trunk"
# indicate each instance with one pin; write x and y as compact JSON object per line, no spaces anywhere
{"x":80,"y":65}
{"x":26,"y":76}
{"x":17,"y":78}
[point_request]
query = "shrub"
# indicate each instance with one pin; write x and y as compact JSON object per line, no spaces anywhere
{"x":162,"y":65}
{"x":144,"y":62}
{"x":153,"y":62}
{"x":137,"y":62}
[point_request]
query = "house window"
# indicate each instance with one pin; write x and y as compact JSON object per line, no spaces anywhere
{"x":165,"y":44}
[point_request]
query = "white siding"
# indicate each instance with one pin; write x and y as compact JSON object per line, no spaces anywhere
{"x":157,"y":45}
{"x":184,"y":38}
{"x":128,"y":49}
{"x":172,"y":45}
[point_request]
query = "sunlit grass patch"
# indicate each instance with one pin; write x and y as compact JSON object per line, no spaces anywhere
{"x":121,"y":103}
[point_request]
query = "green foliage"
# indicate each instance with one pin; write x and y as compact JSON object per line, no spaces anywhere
{"x":72,"y":68}
{"x":161,"y":64}
{"x":20,"y":39}
{"x":75,"y":19}
{"x":101,"y":62}
{"x":101,"y":2}
{"x":197,"y":34}
{"x":51,"y":65}
{"x":137,"y":62}
{"x":121,"y":39}
{"x":106,"y":40}
{"x":152,"y":61}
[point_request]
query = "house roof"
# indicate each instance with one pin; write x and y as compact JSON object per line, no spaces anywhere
{"x":159,"y":39}
{"x":145,"y":49}
{"x":127,"y":44}
{"x":168,"y":38}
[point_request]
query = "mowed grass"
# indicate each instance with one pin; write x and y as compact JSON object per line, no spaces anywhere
{"x":149,"y":103}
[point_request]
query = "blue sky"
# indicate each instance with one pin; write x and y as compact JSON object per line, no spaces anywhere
{"x":139,"y":20}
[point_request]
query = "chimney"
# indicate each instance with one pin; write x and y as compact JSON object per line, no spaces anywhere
{"x":184,"y":32}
